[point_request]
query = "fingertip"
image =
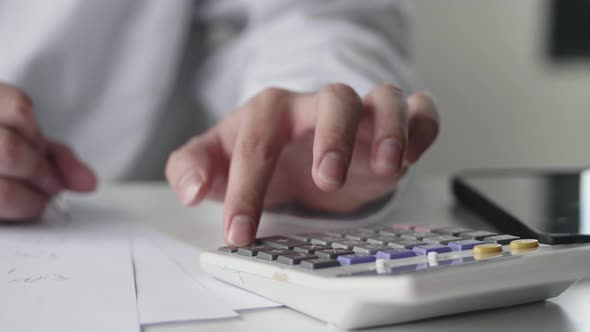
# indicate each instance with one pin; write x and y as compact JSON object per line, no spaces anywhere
{"x":388,"y":157}
{"x":241,"y":231}
{"x":189,"y":189}
{"x":332,"y":171}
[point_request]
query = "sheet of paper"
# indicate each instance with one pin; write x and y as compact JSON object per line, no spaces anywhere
{"x":165,"y":293}
{"x":188,"y":257}
{"x":66,"y":278}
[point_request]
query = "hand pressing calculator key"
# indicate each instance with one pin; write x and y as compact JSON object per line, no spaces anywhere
{"x":397,"y":273}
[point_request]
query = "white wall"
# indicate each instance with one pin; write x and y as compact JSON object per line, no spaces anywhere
{"x":503,"y":102}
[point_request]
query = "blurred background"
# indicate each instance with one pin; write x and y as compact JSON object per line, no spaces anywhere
{"x":511,"y":94}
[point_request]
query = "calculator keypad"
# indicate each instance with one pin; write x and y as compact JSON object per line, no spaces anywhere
{"x":394,"y":243}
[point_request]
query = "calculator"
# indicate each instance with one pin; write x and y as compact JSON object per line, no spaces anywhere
{"x":386,"y":274}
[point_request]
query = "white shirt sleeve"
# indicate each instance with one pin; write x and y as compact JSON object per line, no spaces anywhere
{"x":303,"y":45}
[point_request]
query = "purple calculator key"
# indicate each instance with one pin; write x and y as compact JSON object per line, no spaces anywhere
{"x":395,"y":253}
{"x":356,"y":259}
{"x":464,"y":244}
{"x":425,"y":249}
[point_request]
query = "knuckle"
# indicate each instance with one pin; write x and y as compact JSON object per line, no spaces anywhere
{"x":20,"y":104}
{"x":10,"y":148}
{"x":389,"y":88}
{"x":254,"y":146}
{"x":270,"y":96}
{"x":341,"y":91}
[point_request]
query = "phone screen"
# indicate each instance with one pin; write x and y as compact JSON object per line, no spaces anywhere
{"x":550,"y":202}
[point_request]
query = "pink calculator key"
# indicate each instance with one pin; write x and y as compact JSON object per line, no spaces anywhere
{"x":426,"y":228}
{"x":403,"y":227}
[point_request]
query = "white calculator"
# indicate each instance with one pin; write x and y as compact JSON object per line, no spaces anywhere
{"x":386,"y":274}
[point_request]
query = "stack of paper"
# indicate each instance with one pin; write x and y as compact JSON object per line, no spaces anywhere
{"x":96,"y":274}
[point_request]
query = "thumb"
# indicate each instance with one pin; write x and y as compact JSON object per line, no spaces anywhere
{"x":74,"y":173}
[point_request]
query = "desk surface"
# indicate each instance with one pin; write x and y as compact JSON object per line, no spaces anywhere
{"x":427,"y":201}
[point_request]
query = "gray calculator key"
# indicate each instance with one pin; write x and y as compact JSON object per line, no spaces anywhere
{"x":306,"y":237}
{"x":417,"y":235}
{"x":348,"y":244}
{"x":370,"y":249}
{"x":271,"y":255}
{"x":252,"y":250}
{"x":374,"y":228}
{"x":382,"y":239}
{"x":407,"y":244}
{"x":228,"y":249}
{"x":455,"y":231}
{"x":294,"y":259}
{"x":281,"y":242}
{"x":339,"y":233}
{"x":333,"y":252}
{"x":325,"y":240}
{"x":502,"y":239}
{"x":319,"y":263}
{"x":359,"y":236}
{"x":394,"y":232}
{"x":310,"y":248}
{"x":476,"y":235}
{"x":441,"y":239}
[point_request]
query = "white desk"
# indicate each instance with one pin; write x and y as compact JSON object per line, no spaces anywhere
{"x":427,"y":200}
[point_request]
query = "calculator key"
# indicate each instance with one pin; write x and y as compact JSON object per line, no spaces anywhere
{"x":348,"y":244}
{"x":281,"y":242}
{"x":375,"y":228}
{"x":309,"y":248}
{"x":476,"y":235}
{"x":395,"y":253}
{"x":487,"y":248}
{"x":294,"y":259}
{"x":339,"y":233}
{"x":319,"y":263}
{"x":441,"y":239}
{"x":407,"y":244}
{"x":370,"y":249}
{"x":359,"y":236}
{"x":464,"y":244}
{"x":356,"y":259}
{"x":306,"y":237}
{"x":228,"y":249}
{"x":271,"y":255}
{"x":455,"y":231}
{"x":382,"y":239}
{"x":393,"y":232}
{"x":428,"y":248}
{"x":417,"y":235}
{"x":403,"y":227}
{"x":252,"y":250}
{"x":333,"y":252}
{"x":502,"y":239}
{"x":426,"y":228}
{"x":524,"y":244}
{"x":325,"y":240}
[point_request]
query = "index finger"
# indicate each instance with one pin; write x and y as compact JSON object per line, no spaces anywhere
{"x":261,"y":137}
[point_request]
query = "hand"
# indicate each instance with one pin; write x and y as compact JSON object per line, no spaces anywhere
{"x":261,"y":155}
{"x":32,"y":168}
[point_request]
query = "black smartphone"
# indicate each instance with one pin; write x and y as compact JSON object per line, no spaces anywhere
{"x":552,"y":206}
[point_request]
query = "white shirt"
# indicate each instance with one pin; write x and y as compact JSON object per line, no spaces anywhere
{"x":113,"y":78}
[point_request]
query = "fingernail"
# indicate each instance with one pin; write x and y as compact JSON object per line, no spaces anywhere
{"x":50,"y":185}
{"x":241,"y":231}
{"x":189,"y":186}
{"x":332,"y":168}
{"x":389,"y":154}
